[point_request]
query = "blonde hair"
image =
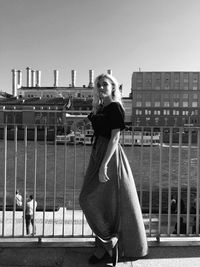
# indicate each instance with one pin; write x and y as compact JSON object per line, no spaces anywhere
{"x":116,"y":93}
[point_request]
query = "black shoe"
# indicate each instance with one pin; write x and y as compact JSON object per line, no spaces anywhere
{"x":94,"y":259}
{"x":115,"y":255}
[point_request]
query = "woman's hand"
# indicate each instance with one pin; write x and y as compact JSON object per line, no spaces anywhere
{"x":103,"y":177}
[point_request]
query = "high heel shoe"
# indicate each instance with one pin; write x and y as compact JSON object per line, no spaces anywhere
{"x":115,"y":255}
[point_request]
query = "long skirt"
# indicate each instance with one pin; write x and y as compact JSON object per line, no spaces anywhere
{"x":112,"y":208}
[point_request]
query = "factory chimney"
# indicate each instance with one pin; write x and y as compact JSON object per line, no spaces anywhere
{"x":56,"y":75}
{"x":28,"y":77}
{"x":14,"y":81}
{"x":19,"y":79}
{"x":109,"y":72}
{"x":38,"y":78}
{"x":91,"y":78}
{"x":33,"y":78}
{"x":73,"y":78}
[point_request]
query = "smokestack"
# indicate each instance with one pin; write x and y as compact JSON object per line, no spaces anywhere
{"x":56,"y":75}
{"x":91,"y":78}
{"x":73,"y":78}
{"x":19,"y":79}
{"x":109,"y":72}
{"x":33,"y":78}
{"x":28,"y":73}
{"x":38,"y":78}
{"x":14,"y":81}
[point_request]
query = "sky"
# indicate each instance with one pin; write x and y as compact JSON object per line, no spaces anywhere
{"x":124,"y":36}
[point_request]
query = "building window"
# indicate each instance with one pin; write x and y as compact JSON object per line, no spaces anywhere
{"x":156,"y":120}
{"x":185,"y":112}
{"x":194,"y":87}
{"x":147,"y":103}
{"x":139,"y":77}
{"x":138,"y":112}
{"x":176,"y":96}
{"x":138,"y":96}
{"x":195,"y":77}
{"x":138,"y":122}
{"x":195,"y":96}
{"x":185,"y":87}
{"x":185,"y":95}
{"x":185,"y":104}
{"x":138,"y":104}
{"x":194,"y":121}
{"x":175,"y":112}
{"x":185,"y":77}
{"x":194,"y":104}
{"x":176,"y":104}
{"x":147,"y":112}
{"x":166,"y":97}
{"x":176,"y":85}
{"x":166,"y":104}
{"x":156,"y":112}
{"x":177,"y":77}
{"x":166,"y":112}
{"x":157,"y":104}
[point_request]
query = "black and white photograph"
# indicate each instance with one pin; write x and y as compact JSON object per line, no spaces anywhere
{"x":99,"y":133}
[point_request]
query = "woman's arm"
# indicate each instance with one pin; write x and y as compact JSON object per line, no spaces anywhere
{"x":113,"y":142}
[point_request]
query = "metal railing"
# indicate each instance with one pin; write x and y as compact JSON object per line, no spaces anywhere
{"x":49,"y":162}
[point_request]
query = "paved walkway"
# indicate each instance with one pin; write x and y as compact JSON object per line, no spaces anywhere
{"x":27,"y":252}
{"x":181,"y":256}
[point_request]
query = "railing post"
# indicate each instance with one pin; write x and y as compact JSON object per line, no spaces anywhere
{"x":5,"y":181}
{"x":169,"y":181}
{"x":35,"y":178}
{"x":15,"y":179}
{"x":198,"y":183}
{"x":160,"y":182}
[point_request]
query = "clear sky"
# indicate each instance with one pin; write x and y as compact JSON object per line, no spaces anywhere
{"x":122,"y":35}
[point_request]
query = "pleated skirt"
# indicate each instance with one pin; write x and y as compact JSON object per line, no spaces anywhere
{"x":113,"y":208}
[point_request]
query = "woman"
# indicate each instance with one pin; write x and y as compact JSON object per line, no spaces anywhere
{"x":108,"y":197}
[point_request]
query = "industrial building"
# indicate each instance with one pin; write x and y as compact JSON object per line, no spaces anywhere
{"x":34,"y":104}
{"x":166,"y":98}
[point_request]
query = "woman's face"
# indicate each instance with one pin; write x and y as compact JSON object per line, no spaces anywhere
{"x":105,"y":88}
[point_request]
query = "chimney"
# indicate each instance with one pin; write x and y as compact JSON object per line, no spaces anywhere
{"x":28,"y":73}
{"x":91,"y":78}
{"x":56,"y":75}
{"x":109,"y":72}
{"x":19,"y":79}
{"x":38,"y":78}
{"x":14,"y":81}
{"x":73,"y":78}
{"x":121,"y":87}
{"x":33,"y":78}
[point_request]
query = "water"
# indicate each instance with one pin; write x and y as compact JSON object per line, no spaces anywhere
{"x":139,"y":158}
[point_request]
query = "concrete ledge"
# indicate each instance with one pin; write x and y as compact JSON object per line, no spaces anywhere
{"x":47,"y":242}
{"x":78,"y":257}
{"x":37,"y":242}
